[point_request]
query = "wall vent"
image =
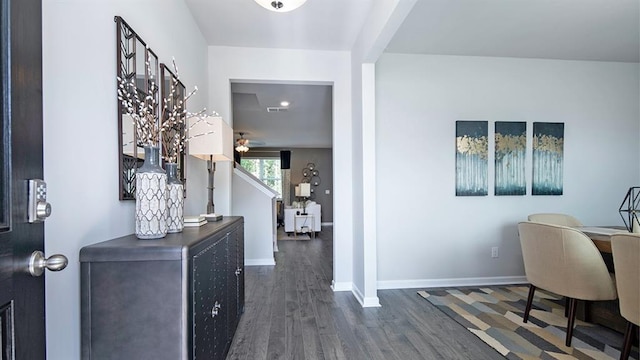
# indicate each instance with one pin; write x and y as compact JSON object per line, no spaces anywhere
{"x":276,"y":109}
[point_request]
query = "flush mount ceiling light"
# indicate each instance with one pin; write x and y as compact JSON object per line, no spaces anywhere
{"x":280,"y":5}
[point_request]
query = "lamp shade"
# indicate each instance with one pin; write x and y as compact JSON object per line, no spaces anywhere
{"x":305,"y":189}
{"x":210,"y":137}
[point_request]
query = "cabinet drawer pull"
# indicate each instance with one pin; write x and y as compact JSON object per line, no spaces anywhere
{"x":214,"y":310}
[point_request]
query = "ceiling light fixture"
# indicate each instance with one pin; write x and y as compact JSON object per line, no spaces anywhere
{"x":280,"y":5}
{"x":242,"y":144}
{"x":284,"y":103}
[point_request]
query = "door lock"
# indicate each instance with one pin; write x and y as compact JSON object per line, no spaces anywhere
{"x":39,"y":208}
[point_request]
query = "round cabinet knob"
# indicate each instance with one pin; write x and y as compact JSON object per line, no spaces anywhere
{"x":43,"y":210}
{"x":38,"y":263}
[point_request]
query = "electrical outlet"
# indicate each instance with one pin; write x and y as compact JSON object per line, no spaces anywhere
{"x":494,"y":252}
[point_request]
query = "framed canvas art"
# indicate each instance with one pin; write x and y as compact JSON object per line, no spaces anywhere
{"x":548,"y":158}
{"x":510,"y":150}
{"x":472,"y":160}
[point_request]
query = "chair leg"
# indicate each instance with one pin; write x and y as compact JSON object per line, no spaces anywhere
{"x":566,"y":306}
{"x":628,"y":339}
{"x":532,"y":290}
{"x":573,"y":304}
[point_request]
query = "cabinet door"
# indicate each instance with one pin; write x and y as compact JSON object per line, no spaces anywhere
{"x":240,"y":266}
{"x":209,"y":301}
{"x":236,"y":278}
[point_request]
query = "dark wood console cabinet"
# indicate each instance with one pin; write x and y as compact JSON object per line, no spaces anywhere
{"x":179,"y":297}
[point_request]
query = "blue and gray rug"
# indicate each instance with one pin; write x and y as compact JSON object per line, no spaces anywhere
{"x":494,"y":314}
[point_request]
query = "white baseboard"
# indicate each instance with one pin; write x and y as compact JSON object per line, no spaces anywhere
{"x":371,"y":301}
{"x":433,"y":283}
{"x":341,"y":286}
{"x":259,"y":262}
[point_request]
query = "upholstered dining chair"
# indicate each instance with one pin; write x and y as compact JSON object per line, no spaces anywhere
{"x":626,"y":262}
{"x":555,"y":219}
{"x":566,"y":262}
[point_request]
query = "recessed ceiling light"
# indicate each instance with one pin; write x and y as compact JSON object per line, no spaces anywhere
{"x":280,"y":5}
{"x":284,"y":103}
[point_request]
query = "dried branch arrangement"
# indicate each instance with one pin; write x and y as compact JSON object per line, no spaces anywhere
{"x":170,"y":133}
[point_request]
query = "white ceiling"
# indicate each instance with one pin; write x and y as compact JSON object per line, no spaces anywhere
{"x":306,"y":122}
{"x":601,"y":30}
{"x":318,"y":24}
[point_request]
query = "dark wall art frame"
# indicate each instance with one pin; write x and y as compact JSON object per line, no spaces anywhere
{"x":132,"y":53}
{"x":173,"y":97}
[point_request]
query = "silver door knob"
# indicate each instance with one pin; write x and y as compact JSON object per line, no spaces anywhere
{"x":37,"y":263}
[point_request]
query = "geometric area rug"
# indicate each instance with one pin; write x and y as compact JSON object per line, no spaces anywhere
{"x":494,"y":314}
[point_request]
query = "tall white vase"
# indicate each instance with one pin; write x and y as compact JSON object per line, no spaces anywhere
{"x":151,"y":197}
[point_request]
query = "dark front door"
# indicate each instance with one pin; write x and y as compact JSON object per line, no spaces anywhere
{"x":22,"y":327}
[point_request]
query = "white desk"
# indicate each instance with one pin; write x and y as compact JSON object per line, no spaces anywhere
{"x":304,"y":224}
{"x":314,"y":210}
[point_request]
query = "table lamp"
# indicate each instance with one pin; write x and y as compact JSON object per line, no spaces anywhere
{"x":304,"y":191}
{"x":211,"y":139}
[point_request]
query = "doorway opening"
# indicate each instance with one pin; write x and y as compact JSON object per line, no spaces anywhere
{"x":276,"y":116}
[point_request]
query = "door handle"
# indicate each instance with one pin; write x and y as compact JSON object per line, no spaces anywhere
{"x":37,"y":263}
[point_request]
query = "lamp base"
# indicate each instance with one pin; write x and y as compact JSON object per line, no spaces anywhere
{"x":212,"y":217}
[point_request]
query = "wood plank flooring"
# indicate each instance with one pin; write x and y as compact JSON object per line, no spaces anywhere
{"x":292,"y":313}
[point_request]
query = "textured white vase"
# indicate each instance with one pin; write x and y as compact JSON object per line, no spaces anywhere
{"x":175,"y":199}
{"x":151,"y":197}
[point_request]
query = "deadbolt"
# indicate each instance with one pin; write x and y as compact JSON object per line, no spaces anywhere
{"x":39,"y":208}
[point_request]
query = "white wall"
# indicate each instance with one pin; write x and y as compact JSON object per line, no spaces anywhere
{"x":80,"y":133}
{"x":428,"y":236}
{"x":382,"y":22}
{"x":301,"y":66}
{"x":256,"y":202}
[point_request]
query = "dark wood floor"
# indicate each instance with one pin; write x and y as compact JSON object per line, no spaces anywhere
{"x":292,"y":313}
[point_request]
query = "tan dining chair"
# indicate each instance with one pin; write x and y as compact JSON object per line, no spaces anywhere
{"x":566,"y":262}
{"x":555,"y":219}
{"x":626,"y":262}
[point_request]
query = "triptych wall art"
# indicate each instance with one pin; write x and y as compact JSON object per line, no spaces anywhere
{"x":472,"y":160}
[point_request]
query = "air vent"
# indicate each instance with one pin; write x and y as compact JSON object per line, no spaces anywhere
{"x":276,"y":109}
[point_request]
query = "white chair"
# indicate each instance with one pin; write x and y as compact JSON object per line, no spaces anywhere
{"x":566,"y":262}
{"x":555,"y":219}
{"x":626,"y":262}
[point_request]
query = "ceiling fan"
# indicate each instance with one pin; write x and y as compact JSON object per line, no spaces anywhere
{"x":242,"y":144}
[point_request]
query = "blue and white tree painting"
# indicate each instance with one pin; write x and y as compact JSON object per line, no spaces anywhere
{"x":510,"y":147}
{"x":548,"y":158}
{"x":472,"y":162}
